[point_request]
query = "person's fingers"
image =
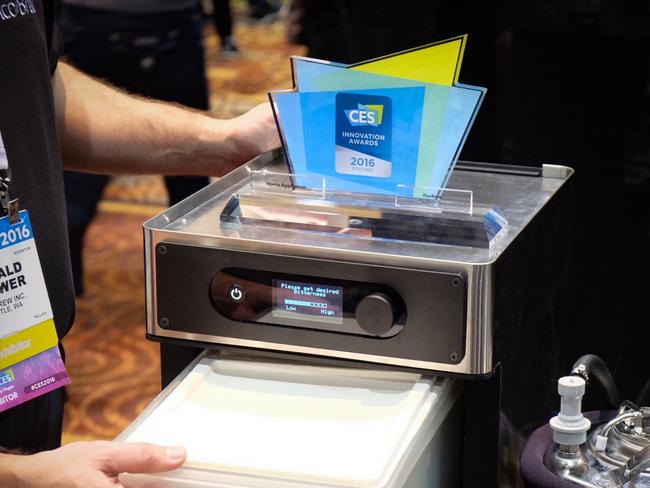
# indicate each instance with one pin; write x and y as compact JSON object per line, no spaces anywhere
{"x":143,"y":458}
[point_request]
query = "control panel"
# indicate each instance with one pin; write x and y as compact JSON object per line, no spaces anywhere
{"x":294,"y":300}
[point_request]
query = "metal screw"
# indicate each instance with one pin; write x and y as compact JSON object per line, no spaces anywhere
{"x":164,"y":322}
{"x":162,"y":249}
{"x":453,"y":356}
{"x":455,"y":282}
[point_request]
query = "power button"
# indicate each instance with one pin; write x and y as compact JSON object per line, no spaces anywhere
{"x":236,"y":293}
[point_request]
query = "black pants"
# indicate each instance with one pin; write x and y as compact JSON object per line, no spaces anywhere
{"x":222,"y":18}
{"x":158,"y":55}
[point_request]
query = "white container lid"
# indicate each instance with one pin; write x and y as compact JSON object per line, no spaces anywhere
{"x":262,"y":424}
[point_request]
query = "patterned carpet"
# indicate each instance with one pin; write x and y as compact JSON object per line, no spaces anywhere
{"x":114,"y":370}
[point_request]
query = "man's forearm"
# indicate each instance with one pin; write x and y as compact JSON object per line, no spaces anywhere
{"x":10,"y":467}
{"x":105,"y":130}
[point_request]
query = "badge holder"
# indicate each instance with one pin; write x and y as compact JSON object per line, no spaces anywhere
{"x":438,"y":216}
{"x":30,"y":361}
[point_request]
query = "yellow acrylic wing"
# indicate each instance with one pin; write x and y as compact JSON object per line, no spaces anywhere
{"x":437,"y":63}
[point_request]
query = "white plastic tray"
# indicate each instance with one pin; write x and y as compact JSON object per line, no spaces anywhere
{"x":265,"y":424}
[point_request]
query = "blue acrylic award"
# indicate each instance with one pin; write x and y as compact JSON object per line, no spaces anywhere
{"x":370,"y":132}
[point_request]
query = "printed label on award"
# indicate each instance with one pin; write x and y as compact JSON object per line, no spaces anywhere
{"x":364,"y":135}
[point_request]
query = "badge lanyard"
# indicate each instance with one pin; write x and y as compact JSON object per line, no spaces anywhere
{"x":9,"y":207}
{"x":30,"y":361}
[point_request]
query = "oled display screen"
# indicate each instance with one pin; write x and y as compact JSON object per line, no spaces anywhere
{"x":307,"y":301}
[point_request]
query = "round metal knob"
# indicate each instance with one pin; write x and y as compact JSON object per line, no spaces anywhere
{"x":376,"y":313}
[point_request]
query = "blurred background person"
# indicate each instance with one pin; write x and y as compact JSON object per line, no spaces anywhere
{"x":152,"y":48}
{"x":221,"y":13}
{"x":223,"y":23}
{"x":262,"y":9}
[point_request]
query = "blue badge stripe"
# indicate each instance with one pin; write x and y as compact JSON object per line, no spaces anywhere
{"x":18,"y":232}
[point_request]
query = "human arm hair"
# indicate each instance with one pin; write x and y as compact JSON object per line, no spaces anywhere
{"x":106,"y":130}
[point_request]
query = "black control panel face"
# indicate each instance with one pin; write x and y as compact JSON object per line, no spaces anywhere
{"x":323,"y":305}
{"x":294,"y":300}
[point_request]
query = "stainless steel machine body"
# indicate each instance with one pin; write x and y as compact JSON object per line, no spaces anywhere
{"x":492,"y":315}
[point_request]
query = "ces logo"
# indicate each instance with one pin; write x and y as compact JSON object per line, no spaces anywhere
{"x":6,"y":376}
{"x":365,"y":115}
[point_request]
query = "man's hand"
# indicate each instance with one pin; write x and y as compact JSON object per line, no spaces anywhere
{"x":252,"y":133}
{"x":87,"y":465}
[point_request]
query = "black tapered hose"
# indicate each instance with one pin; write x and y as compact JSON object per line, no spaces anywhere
{"x":593,"y":369}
